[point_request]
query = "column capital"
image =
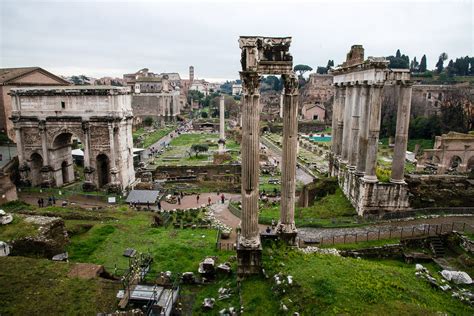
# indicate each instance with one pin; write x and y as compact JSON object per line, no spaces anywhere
{"x":251,"y":82}
{"x":86,"y":126}
{"x":42,"y":126}
{"x":291,"y":83}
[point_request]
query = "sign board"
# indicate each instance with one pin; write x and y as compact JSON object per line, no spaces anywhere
{"x":111,"y":199}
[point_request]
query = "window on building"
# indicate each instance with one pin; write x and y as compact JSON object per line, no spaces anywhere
{"x":315,"y":117}
{"x":63,"y":105}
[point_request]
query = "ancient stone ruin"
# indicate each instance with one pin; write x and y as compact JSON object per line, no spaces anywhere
{"x":265,"y":55}
{"x":46,"y":119}
{"x":356,"y":124}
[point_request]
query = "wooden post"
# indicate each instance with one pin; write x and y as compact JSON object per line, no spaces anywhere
{"x":356,"y":239}
{"x":367,"y":236}
{"x":401,"y":233}
{"x":333,"y":239}
{"x":390,"y":233}
{"x":412,"y":231}
{"x":378,"y":235}
{"x":464,"y":227}
{"x":344,"y":238}
{"x":452,"y":227}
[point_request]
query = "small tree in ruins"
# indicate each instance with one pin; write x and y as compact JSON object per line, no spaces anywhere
{"x":199,"y":148}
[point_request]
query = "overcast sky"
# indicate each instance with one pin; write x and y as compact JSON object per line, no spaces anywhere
{"x":109,"y":38}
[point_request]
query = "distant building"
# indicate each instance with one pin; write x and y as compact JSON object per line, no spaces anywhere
{"x":200,"y":85}
{"x":18,"y":78}
{"x":237,"y":89}
{"x":155,"y":95}
{"x":317,"y":91}
{"x":313,"y":112}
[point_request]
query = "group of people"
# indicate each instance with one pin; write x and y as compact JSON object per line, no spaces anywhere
{"x":51,"y":201}
{"x":152,"y":152}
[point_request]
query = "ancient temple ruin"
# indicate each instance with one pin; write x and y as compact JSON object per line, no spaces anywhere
{"x":265,"y":55}
{"x":356,"y":124}
{"x":47,"y":119}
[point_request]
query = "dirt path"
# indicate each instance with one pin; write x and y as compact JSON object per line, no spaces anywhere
{"x":189,"y":201}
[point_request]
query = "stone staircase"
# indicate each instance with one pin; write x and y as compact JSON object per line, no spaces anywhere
{"x":437,"y":246}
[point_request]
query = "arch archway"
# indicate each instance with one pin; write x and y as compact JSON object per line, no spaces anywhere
{"x":35,"y":167}
{"x":470,"y":164}
{"x":455,"y":162}
{"x":103,"y":170}
{"x":61,"y":159}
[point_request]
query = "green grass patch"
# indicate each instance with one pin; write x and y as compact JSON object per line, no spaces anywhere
{"x":81,"y":250}
{"x":18,"y":228}
{"x":42,"y":287}
{"x":363,"y":244}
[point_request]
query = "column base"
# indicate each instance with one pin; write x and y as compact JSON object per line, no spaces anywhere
{"x":249,"y":260}
{"x":397,"y":181}
{"x":370,"y":179}
{"x":359,"y":173}
{"x":88,"y":186}
{"x":287,"y":233}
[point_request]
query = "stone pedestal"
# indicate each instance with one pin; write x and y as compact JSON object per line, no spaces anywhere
{"x":47,"y":177}
{"x":249,"y":260}
{"x":88,"y":184}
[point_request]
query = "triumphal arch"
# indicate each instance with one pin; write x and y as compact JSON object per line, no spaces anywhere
{"x":265,"y":55}
{"x":48,"y":119}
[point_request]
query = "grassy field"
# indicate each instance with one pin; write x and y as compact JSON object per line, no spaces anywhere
{"x":323,"y":285}
{"x":333,"y":210}
{"x":328,"y":285}
{"x":180,"y":152}
{"x":154,"y":136}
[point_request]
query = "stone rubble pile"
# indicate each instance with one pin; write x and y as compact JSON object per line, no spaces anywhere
{"x":216,"y":223}
{"x":462,"y":294}
{"x":5,"y":218}
{"x":324,"y":251}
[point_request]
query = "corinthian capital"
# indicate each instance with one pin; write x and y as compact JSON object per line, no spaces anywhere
{"x":291,"y":83}
{"x":250,"y":82}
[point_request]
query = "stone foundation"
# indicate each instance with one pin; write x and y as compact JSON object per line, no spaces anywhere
{"x":372,"y":197}
{"x":249,"y":261}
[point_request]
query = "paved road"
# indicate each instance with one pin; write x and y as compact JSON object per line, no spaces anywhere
{"x":301,"y":175}
{"x":417,"y":225}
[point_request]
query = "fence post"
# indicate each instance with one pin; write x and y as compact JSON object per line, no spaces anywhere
{"x":401,"y":233}
{"x":429,"y":227}
{"x":378,"y":235}
{"x":345,"y":238}
{"x":333,"y":240}
{"x":390,"y":230}
{"x":367,"y":236}
{"x":452,"y":227}
{"x":356,"y":239}
{"x":412,"y":231}
{"x":464,"y":226}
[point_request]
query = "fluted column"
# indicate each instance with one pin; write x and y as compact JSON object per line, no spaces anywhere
{"x":363,"y":130}
{"x":340,"y":119}
{"x":335,"y":109}
{"x":44,"y":143}
{"x":354,"y":138}
{"x":401,"y":135}
{"x":113,"y":164}
{"x":221,"y":125}
{"x":19,"y":146}
{"x":375,"y":109}
{"x":289,"y":151}
{"x":250,"y":237}
{"x":346,"y":132}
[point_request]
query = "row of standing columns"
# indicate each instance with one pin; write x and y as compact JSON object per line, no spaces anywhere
{"x":251,"y":161}
{"x":356,"y":128}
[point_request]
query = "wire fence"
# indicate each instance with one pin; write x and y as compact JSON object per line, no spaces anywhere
{"x":383,"y":233}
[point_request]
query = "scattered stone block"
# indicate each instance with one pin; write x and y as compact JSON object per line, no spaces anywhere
{"x":129,"y":252}
{"x":61,"y":257}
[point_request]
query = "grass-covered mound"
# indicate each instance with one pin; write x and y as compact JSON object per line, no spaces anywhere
{"x":42,"y":287}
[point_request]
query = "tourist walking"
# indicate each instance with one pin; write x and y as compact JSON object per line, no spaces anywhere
{"x":222,"y":198}
{"x":39,"y":202}
{"x":159,"y":205}
{"x":197,"y":199}
{"x":179,"y":200}
{"x":209,"y":200}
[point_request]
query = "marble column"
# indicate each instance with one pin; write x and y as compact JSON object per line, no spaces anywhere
{"x":340,"y":119}
{"x":363,"y":130}
{"x":375,"y":109}
{"x":113,"y":164}
{"x":346,"y":132}
{"x":335,"y":109}
{"x":19,"y":145}
{"x":288,"y":161}
{"x":88,"y":170}
{"x":221,"y":125}
{"x":401,"y":134}
{"x":44,"y":143}
{"x":354,"y":137}
{"x":250,"y":148}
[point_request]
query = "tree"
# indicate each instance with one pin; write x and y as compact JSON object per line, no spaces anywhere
{"x":422,"y":67}
{"x":321,"y":70}
{"x":399,"y":61}
{"x":440,"y":63}
{"x":450,"y":69}
{"x":330,"y":64}
{"x":414,"y":65}
{"x":199,"y":148}
{"x":301,"y":69}
{"x":148,"y":121}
